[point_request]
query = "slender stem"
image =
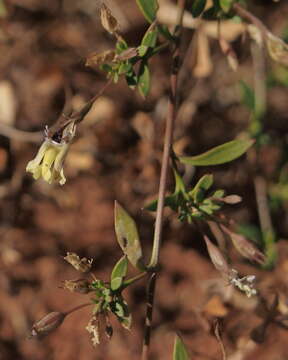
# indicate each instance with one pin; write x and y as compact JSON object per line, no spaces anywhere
{"x":78,"y":307}
{"x":133,"y":280}
{"x":149,"y":314}
{"x":168,"y":139}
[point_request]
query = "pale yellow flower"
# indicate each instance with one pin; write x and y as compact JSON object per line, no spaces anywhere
{"x":49,"y":160}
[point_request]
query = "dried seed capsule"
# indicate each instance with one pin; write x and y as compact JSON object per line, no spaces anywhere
{"x":47,"y":324}
{"x":108,"y":21}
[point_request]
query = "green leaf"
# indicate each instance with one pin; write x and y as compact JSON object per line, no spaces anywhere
{"x":179,"y":184}
{"x":144,"y":79}
{"x":127,"y":236}
{"x":248,"y":96}
{"x":226,"y":5}
{"x":118,"y":273}
{"x":204,"y":184}
{"x":197,"y":7}
{"x":170,"y":200}
{"x":121,"y":310}
{"x":131,"y":79}
{"x":220,"y":154}
{"x":149,"y":9}
{"x":149,"y":40}
{"x":180,"y":352}
{"x":121,"y":46}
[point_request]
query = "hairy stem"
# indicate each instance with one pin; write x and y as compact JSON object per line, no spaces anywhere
{"x":168,"y":139}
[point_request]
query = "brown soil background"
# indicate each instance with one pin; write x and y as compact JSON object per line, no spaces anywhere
{"x":116,"y":155}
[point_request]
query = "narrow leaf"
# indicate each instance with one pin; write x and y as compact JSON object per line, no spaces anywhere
{"x":149,"y":9}
{"x":144,"y":79}
{"x":127,"y":236}
{"x":179,"y":183}
{"x":217,"y":258}
{"x":248,"y":96}
{"x":220,"y":154}
{"x":244,"y":246}
{"x":118,"y":273}
{"x":197,"y":7}
{"x":180,"y":352}
{"x":170,"y":200}
{"x":149,"y":40}
{"x":204,"y":184}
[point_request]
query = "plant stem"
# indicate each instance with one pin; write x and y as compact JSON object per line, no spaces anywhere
{"x":168,"y":139}
{"x":133,"y":280}
{"x":78,"y":307}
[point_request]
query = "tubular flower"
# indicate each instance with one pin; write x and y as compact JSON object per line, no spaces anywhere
{"x":49,"y":160}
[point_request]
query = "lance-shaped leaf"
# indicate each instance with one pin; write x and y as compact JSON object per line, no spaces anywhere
{"x":149,"y":40}
{"x":204,"y":184}
{"x":118,"y":273}
{"x":220,"y":154}
{"x":170,"y":200}
{"x":179,"y":352}
{"x":244,"y":247}
{"x":144,"y":78}
{"x":217,"y":258}
{"x":127,"y":236}
{"x":149,"y":9}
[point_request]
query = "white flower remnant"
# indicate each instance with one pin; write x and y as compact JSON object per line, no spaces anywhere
{"x":93,"y":329}
{"x":245,"y":284}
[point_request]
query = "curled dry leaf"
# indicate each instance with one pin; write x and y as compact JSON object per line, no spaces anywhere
{"x":97,"y":59}
{"x":217,"y":258}
{"x":83,"y":265}
{"x":244,"y":247}
{"x":277,"y":49}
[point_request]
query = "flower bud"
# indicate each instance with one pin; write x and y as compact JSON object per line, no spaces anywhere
{"x":47,"y":324}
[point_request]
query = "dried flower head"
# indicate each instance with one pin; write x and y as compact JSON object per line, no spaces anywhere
{"x":93,"y":329}
{"x":83,"y":265}
{"x":245,"y":284}
{"x":47,"y":324}
{"x":49,"y":160}
{"x":277,"y":49}
{"x":108,"y":21}
{"x":97,"y":59}
{"x":81,"y":286}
